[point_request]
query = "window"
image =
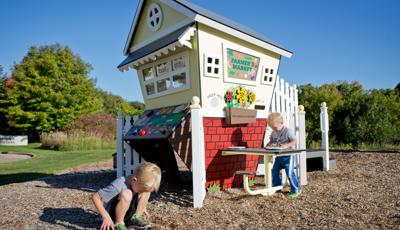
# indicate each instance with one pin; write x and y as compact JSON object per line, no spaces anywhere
{"x":212,"y":65}
{"x":154,"y":17}
{"x":268,"y":76}
{"x":168,"y":75}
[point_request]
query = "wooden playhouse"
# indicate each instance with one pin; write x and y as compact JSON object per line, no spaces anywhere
{"x":182,"y":51}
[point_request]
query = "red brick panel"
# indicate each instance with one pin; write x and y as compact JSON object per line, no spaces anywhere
{"x":218,"y":135}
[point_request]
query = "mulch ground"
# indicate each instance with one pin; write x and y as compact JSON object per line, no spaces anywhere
{"x":362,"y":193}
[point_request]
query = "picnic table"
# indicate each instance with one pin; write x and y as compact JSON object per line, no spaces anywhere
{"x":268,"y":155}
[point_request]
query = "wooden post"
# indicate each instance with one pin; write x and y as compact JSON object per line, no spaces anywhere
{"x":198,"y":157}
{"x":302,"y":145}
{"x":120,"y":145}
{"x":324,"y":132}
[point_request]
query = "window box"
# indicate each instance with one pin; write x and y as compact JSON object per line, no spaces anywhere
{"x":240,"y":116}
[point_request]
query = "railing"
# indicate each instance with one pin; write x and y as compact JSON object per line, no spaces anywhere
{"x":127,"y":158}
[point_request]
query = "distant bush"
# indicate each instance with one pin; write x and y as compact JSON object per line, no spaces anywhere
{"x":102,"y":126}
{"x":87,"y":132}
{"x":357,"y":117}
{"x":74,"y":141}
{"x":56,"y":140}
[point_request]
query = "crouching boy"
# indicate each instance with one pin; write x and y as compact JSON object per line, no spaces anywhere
{"x":123,"y":202}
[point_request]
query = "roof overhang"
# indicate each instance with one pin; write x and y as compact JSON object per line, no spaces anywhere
{"x":163,"y":46}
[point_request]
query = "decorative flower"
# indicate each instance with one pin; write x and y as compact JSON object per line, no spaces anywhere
{"x":229,"y":96}
{"x":252,"y":97}
{"x":241,"y":94}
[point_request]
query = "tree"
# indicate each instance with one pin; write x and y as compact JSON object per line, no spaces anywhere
{"x":114,"y":104}
{"x":311,"y":98}
{"x":48,"y":89}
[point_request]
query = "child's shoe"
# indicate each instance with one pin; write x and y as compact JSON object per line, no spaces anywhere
{"x":138,"y":222}
{"x":293,"y":195}
{"x":120,"y":227}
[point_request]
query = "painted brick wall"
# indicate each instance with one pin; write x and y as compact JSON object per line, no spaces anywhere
{"x":218,"y":135}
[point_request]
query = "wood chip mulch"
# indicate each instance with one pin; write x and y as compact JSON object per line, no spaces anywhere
{"x":362,"y":193}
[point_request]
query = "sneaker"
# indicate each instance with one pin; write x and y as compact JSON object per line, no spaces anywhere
{"x":138,"y":222}
{"x":120,"y":227}
{"x":293,"y":195}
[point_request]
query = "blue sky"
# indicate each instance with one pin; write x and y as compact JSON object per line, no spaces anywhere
{"x":357,"y":40}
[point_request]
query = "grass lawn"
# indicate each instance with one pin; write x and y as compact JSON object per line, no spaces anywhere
{"x":46,"y":162}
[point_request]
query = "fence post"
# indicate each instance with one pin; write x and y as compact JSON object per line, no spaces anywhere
{"x":120,"y":145}
{"x":302,"y":145}
{"x":128,"y":149}
{"x":324,"y":132}
{"x":198,"y":157}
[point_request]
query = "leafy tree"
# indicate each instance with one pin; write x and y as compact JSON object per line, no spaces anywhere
{"x":137,"y":105}
{"x":311,"y":98}
{"x":114,"y":104}
{"x":356,"y":116}
{"x":48,"y":89}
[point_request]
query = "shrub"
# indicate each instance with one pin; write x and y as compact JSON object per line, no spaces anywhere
{"x":56,"y":140}
{"x":74,"y":141}
{"x":99,"y":125}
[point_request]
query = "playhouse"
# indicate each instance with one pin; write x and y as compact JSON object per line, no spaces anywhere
{"x":182,"y":52}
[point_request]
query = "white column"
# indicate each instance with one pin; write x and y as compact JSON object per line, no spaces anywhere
{"x":302,"y":172}
{"x":198,"y":156}
{"x":120,"y":145}
{"x":324,"y":132}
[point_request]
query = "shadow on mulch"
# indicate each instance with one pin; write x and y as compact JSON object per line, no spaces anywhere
{"x":71,"y":218}
{"x":90,"y":181}
{"x":180,"y":194}
{"x":20,"y":177}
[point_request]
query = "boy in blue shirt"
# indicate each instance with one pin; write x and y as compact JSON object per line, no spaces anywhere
{"x":282,"y":137}
{"x":123,"y":202}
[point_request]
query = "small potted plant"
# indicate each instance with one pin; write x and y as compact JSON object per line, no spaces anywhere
{"x":238,"y":99}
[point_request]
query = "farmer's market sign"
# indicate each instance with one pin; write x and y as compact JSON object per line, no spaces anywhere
{"x":242,"y":66}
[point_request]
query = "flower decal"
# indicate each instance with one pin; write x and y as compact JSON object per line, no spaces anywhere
{"x":241,"y":94}
{"x":252,"y":97}
{"x":229,"y":97}
{"x":239,"y":97}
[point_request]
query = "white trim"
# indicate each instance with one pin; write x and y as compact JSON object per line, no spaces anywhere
{"x":241,"y":35}
{"x":229,"y":45}
{"x":183,"y":40}
{"x":169,"y":76}
{"x":160,"y":35}
{"x":133,"y":27}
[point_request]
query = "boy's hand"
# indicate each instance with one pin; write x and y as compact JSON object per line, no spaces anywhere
{"x":107,"y":224}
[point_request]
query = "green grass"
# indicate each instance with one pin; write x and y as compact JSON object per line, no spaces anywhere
{"x":46,"y":162}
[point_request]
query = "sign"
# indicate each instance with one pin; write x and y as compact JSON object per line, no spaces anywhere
{"x":242,"y":66}
{"x":6,"y":140}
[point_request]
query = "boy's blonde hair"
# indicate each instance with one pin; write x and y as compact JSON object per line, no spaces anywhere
{"x":275,"y":116}
{"x":148,"y":176}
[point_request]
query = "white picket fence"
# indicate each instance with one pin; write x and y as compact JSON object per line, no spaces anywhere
{"x":127,"y":158}
{"x":285,"y":101}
